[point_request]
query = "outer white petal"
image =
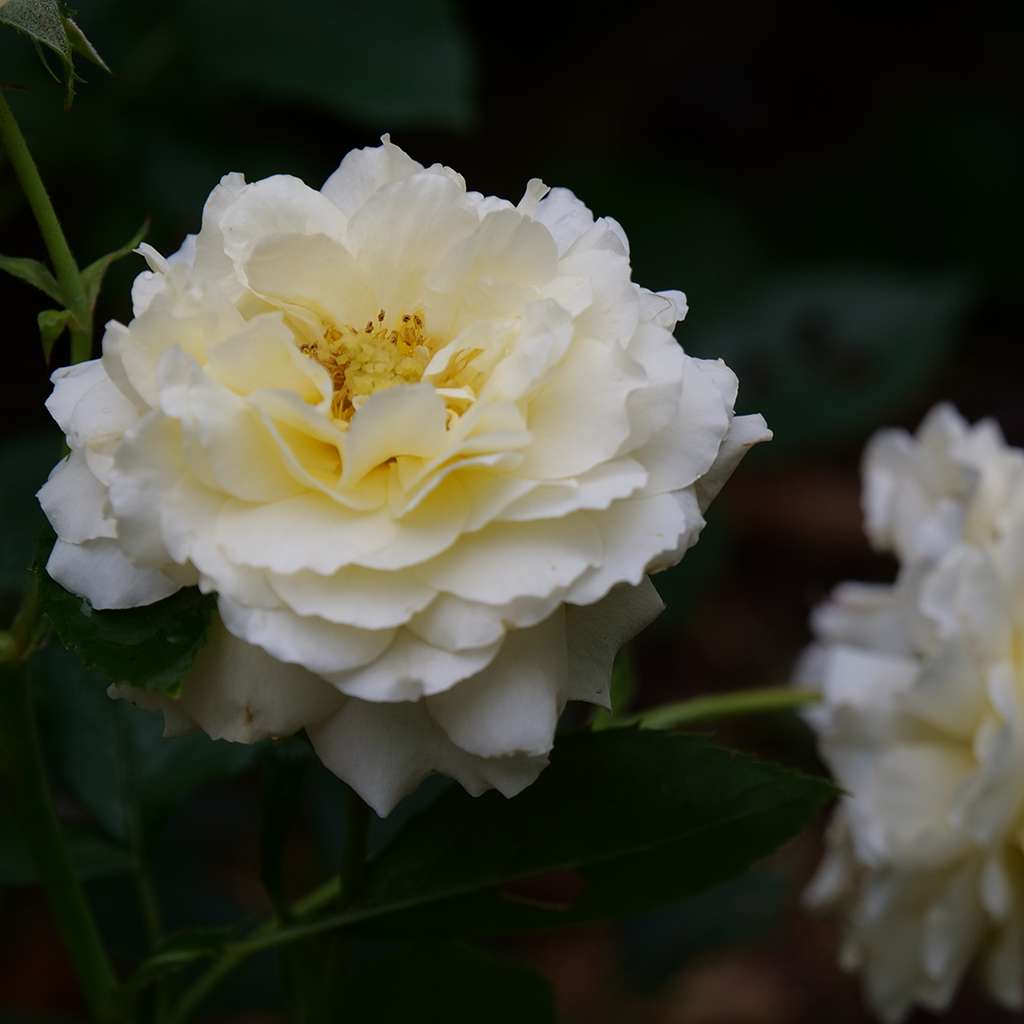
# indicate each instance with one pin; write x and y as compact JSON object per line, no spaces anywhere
{"x":75,"y":501}
{"x":744,"y":433}
{"x":508,"y":560}
{"x":512,"y":706}
{"x":385,"y":750}
{"x":688,"y":447}
{"x":639,"y":535}
{"x":454,"y":624}
{"x":579,"y":416}
{"x":98,"y":570}
{"x":312,"y":532}
{"x":592,"y":491}
{"x":316,"y":644}
{"x":597,"y":631}
{"x":364,"y":171}
{"x":70,"y":384}
{"x":278,"y":205}
{"x":564,"y":216}
{"x":355,"y":596}
{"x":410,"y":669}
{"x":237,"y":692}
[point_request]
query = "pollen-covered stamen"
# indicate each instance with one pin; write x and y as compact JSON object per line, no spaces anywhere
{"x":378,"y":355}
{"x":363,"y":360}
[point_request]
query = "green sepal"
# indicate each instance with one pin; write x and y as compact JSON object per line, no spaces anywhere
{"x":52,"y":323}
{"x":92,"y":275}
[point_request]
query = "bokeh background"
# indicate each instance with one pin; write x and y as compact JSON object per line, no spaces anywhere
{"x":836,"y":186}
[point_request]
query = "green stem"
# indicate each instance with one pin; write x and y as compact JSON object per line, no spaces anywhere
{"x":235,"y":954}
{"x":340,"y":891}
{"x":21,"y":765}
{"x":725,"y":705}
{"x":64,"y":265}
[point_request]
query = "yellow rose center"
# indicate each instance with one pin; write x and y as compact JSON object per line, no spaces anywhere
{"x":383,"y":353}
{"x":378,"y":355}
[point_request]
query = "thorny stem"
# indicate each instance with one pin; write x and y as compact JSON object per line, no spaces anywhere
{"x":66,"y":269}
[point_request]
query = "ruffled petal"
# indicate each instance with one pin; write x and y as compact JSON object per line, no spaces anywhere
{"x":384,"y":751}
{"x":98,"y":571}
{"x":74,"y":501}
{"x":512,"y":706}
{"x":410,"y":669}
{"x":508,"y":560}
{"x":364,"y":171}
{"x":237,"y":692}
{"x":316,"y":644}
{"x":597,"y":631}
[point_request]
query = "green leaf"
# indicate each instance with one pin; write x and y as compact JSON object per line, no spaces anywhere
{"x":52,"y":323}
{"x":113,"y":757}
{"x":41,"y":21}
{"x":621,"y":821}
{"x":385,"y":62}
{"x":32,"y":272}
{"x":92,"y":276}
{"x":80,"y":44}
{"x":448,"y":984}
{"x":152,"y":647}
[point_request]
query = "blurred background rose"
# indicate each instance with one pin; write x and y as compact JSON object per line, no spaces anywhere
{"x":837,"y":189}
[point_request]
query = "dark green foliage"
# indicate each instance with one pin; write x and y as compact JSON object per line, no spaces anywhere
{"x":622,"y":820}
{"x":150,"y":647}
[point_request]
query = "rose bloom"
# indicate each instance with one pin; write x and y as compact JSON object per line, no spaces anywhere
{"x":423,"y":444}
{"x":922,"y":723}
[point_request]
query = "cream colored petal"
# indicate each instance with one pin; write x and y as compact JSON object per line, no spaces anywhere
{"x":454,"y":624}
{"x":278,"y":205}
{"x":364,"y":171}
{"x":74,"y":501}
{"x":224,"y":442}
{"x":564,"y":216}
{"x":639,"y":535}
{"x":384,"y":751}
{"x":312,"y":532}
{"x":597,"y":631}
{"x":508,"y":560}
{"x":594,"y":490}
{"x":315,"y":273}
{"x":404,"y":231}
{"x":70,"y":385}
{"x":411,"y":669}
{"x":744,"y":433}
{"x":264,"y":355}
{"x":322,"y":647}
{"x":355,"y":596}
{"x":688,"y":447}
{"x":544,"y":338}
{"x":399,"y":421}
{"x":236,"y":692}
{"x":98,"y":571}
{"x":512,"y":706}
{"x":579,"y":415}
{"x":497,"y":269}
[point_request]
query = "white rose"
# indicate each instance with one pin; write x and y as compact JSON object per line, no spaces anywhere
{"x":423,"y":444}
{"x":918,"y":490}
{"x":922,"y":723}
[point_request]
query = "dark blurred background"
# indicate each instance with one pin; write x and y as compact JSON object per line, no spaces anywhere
{"x":835,"y":186}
